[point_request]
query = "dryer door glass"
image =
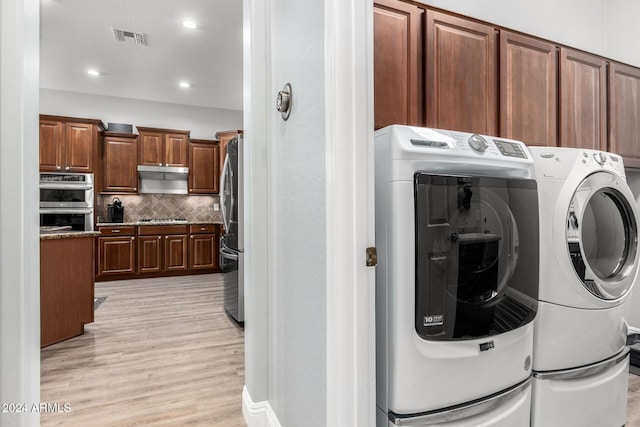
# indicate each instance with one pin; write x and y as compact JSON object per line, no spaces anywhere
{"x":476,"y":255}
{"x":602,"y":236}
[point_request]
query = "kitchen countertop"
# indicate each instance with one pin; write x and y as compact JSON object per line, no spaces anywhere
{"x":54,"y":235}
{"x":123,"y":224}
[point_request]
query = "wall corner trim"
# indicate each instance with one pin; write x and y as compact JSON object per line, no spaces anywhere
{"x":258,"y":414}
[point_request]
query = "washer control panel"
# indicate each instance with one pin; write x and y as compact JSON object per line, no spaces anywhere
{"x":508,"y":148}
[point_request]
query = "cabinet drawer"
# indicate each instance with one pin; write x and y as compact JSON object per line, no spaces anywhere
{"x":150,"y":230}
{"x":117,"y":231}
{"x":203,"y":229}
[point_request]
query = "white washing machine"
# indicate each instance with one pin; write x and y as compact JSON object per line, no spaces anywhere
{"x":457,"y":278}
{"x":588,"y":264}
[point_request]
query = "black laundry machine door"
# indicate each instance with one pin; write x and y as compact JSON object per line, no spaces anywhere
{"x":476,"y":242}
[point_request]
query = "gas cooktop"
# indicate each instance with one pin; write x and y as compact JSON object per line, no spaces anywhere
{"x":178,"y":220}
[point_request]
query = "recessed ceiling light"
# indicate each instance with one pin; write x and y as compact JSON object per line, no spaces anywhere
{"x":184,"y":84}
{"x":189,"y":24}
{"x":93,"y":72}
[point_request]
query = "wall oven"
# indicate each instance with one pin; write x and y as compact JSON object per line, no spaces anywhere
{"x":67,"y":200}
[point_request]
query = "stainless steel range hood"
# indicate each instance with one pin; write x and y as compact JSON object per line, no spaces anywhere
{"x":163,"y":179}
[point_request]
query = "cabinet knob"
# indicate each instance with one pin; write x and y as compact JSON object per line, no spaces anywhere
{"x":192,"y":237}
{"x":115,"y":231}
{"x":159,"y":164}
{"x":58,"y":167}
{"x":67,"y":168}
{"x":133,"y":238}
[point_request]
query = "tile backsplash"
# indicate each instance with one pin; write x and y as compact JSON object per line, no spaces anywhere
{"x":156,"y":206}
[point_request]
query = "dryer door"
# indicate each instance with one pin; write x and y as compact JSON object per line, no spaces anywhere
{"x":602,"y":235}
{"x":476,"y":255}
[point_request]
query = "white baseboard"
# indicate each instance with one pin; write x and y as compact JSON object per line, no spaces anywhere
{"x":258,"y":414}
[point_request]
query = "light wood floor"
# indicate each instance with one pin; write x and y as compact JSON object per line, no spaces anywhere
{"x":160,"y":352}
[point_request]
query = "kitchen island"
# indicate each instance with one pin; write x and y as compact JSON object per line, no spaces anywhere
{"x":66,"y":284}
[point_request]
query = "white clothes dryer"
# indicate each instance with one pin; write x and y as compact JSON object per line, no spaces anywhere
{"x":588,"y":264}
{"x":456,"y":280}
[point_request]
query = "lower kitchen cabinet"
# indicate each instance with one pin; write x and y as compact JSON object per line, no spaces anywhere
{"x":131,"y":252}
{"x":162,"y":248}
{"x":116,"y":251}
{"x":203,"y":247}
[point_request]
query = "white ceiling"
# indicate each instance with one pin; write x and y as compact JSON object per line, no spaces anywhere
{"x":76,"y":35}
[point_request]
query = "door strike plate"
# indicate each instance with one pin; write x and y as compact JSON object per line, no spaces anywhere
{"x":372,"y":257}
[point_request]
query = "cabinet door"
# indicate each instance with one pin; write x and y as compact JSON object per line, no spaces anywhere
{"x":203,"y":168}
{"x":461,"y":74}
{"x":175,"y":149}
{"x":149,"y":254}
{"x":583,"y":93}
{"x":119,"y":165}
{"x":116,"y":255}
{"x":150,"y":151}
{"x":528,"y":89}
{"x":397,"y":59}
{"x":204,"y":252}
{"x":51,"y":145}
{"x":624,"y":113}
{"x":79,"y":147}
{"x":176,"y":249}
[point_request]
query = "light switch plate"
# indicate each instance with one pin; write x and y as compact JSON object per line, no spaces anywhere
{"x":216,"y":207}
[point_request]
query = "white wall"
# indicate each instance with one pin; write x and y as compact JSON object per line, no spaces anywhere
{"x":202,"y":122}
{"x":19,"y":240}
{"x":298,"y":333}
{"x":604,"y":27}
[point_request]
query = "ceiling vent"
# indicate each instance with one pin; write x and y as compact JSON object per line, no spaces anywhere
{"x":122,"y":36}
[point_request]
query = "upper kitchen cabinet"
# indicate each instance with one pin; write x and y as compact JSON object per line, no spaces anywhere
{"x":223,"y":138}
{"x":528,"y":89}
{"x":69,"y":144}
{"x":398,"y":74}
{"x":162,"y":147}
{"x":204,"y":163}
{"x":119,"y":163}
{"x":583,"y":100}
{"x":461,"y":74}
{"x":624,"y":113}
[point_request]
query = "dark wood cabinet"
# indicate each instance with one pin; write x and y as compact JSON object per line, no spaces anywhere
{"x":204,"y":163}
{"x":162,"y":248}
{"x":119,"y":162}
{"x":528,"y":89}
{"x":70,"y":144}
{"x":583,"y":100}
{"x":461,"y":74}
{"x":223,"y":138}
{"x":624,"y":113}
{"x":116,"y":251}
{"x":203,"y":251}
{"x":66,"y":288}
{"x":162,"y":147}
{"x":398,"y":75}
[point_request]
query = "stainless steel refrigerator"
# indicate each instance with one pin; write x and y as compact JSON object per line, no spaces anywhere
{"x":232,"y":241}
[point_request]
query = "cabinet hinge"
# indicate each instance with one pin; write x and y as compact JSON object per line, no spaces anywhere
{"x":372,"y":257}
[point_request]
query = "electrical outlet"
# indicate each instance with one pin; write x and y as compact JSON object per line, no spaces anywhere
{"x":216,"y":207}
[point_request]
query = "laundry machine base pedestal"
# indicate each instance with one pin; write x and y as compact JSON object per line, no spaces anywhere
{"x":598,"y":400}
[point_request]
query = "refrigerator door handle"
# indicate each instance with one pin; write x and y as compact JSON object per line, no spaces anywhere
{"x":225,"y":253}
{"x":223,"y":180}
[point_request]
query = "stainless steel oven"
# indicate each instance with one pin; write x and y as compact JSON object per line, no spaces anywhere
{"x":67,"y":199}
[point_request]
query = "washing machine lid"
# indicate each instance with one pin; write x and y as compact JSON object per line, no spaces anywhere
{"x":602,"y":235}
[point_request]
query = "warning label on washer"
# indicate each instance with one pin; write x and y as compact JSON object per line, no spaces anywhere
{"x":433,"y":320}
